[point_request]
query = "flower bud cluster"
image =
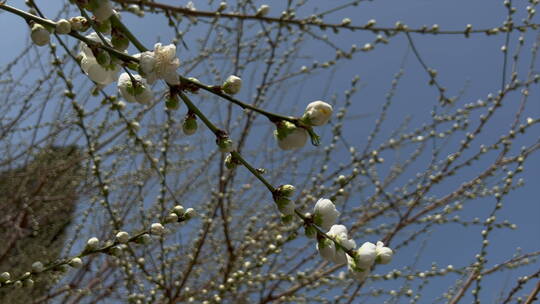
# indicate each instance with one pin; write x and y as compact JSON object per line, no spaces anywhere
{"x":335,"y":246}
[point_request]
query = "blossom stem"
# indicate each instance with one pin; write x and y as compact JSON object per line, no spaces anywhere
{"x":271,"y":116}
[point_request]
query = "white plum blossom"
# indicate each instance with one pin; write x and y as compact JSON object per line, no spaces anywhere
{"x":327,"y":249}
{"x":140,"y":93}
{"x":232,"y":85}
{"x":339,"y":234}
{"x":40,"y":35}
{"x":161,"y":63}
{"x":317,"y":113}
{"x":290,"y":137}
{"x":325,"y":213}
{"x":384,"y":254}
{"x":366,"y":255}
{"x":358,"y":273}
{"x":102,"y":75}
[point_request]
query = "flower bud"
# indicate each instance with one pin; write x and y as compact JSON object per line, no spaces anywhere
{"x":40,"y":35}
{"x":286,"y":190}
{"x":225,"y":145}
{"x":102,"y":10}
{"x":285,"y":205}
{"x":263,"y":10}
{"x":92,"y":244}
{"x":384,"y":254}
{"x":143,"y":239}
{"x":135,"y":9}
{"x":63,"y":27}
{"x":75,"y":263}
{"x":28,"y":283}
{"x":317,"y":113}
{"x":37,"y":267}
{"x":157,"y":229}
{"x":179,"y":210}
{"x":5,"y":276}
{"x":134,"y":91}
{"x":172,"y":102}
{"x":222,"y":6}
{"x":190,"y":125}
{"x":171,"y":218}
{"x":289,"y":136}
{"x":122,"y":237}
{"x":190,"y":213}
{"x":230,"y":162}
{"x":232,"y":85}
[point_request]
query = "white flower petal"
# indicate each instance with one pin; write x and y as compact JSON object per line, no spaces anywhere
{"x":325,"y":213}
{"x":317,"y":113}
{"x":365,"y":255}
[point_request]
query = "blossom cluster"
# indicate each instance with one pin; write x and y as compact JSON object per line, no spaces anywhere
{"x":336,"y":246}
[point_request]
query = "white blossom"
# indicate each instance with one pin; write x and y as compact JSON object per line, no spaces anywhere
{"x":384,"y":254}
{"x":5,"y":276}
{"x":290,"y":137}
{"x":102,"y":75}
{"x":327,"y":249}
{"x":340,"y":235}
{"x":40,"y":35}
{"x":161,"y":63}
{"x":359,"y":274}
{"x":232,"y":85}
{"x":140,"y":93}
{"x":366,"y":255}
{"x":317,"y":113}
{"x":325,"y":213}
